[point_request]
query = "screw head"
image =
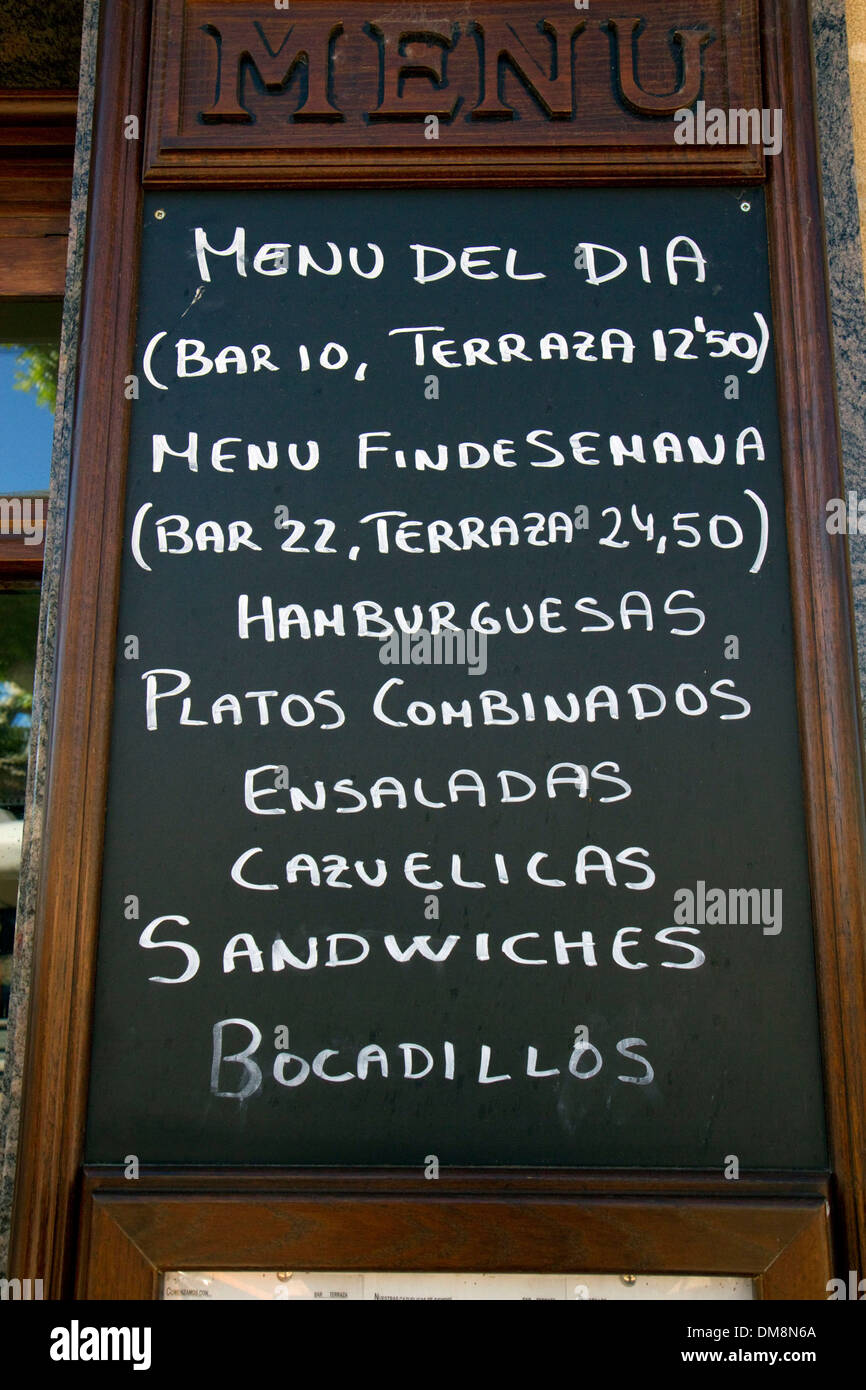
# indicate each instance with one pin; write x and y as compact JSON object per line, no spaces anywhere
{"x":159,"y":214}
{"x":745,"y":207}
{"x":628,"y":1278}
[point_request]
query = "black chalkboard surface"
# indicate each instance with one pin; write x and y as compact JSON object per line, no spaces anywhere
{"x":545,"y":903}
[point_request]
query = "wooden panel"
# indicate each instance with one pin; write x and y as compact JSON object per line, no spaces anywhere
{"x":17,"y":220}
{"x":37,"y":135}
{"x":240,"y":93}
{"x":32,"y":266}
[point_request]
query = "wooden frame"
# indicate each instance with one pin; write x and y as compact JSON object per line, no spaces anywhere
{"x":129,"y":1233}
{"x":592,"y":1223}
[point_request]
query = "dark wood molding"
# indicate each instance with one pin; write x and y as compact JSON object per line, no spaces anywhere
{"x":132,"y":1232}
{"x":831,"y":736}
{"x":354,"y":142}
{"x":33,"y":266}
{"x":37,"y":138}
{"x":479,"y":1182}
{"x":44,"y":119}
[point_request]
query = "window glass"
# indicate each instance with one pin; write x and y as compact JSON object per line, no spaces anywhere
{"x":29,"y":354}
{"x":292,"y":1286}
{"x":19,"y":618}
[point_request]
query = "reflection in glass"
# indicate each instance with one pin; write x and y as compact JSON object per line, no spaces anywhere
{"x":19,"y":619}
{"x":386,"y":1287}
{"x":29,"y":362}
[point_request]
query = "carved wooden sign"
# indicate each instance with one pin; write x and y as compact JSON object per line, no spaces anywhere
{"x":542,"y":92}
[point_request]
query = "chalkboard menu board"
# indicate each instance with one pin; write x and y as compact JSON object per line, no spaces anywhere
{"x":455,"y":802}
